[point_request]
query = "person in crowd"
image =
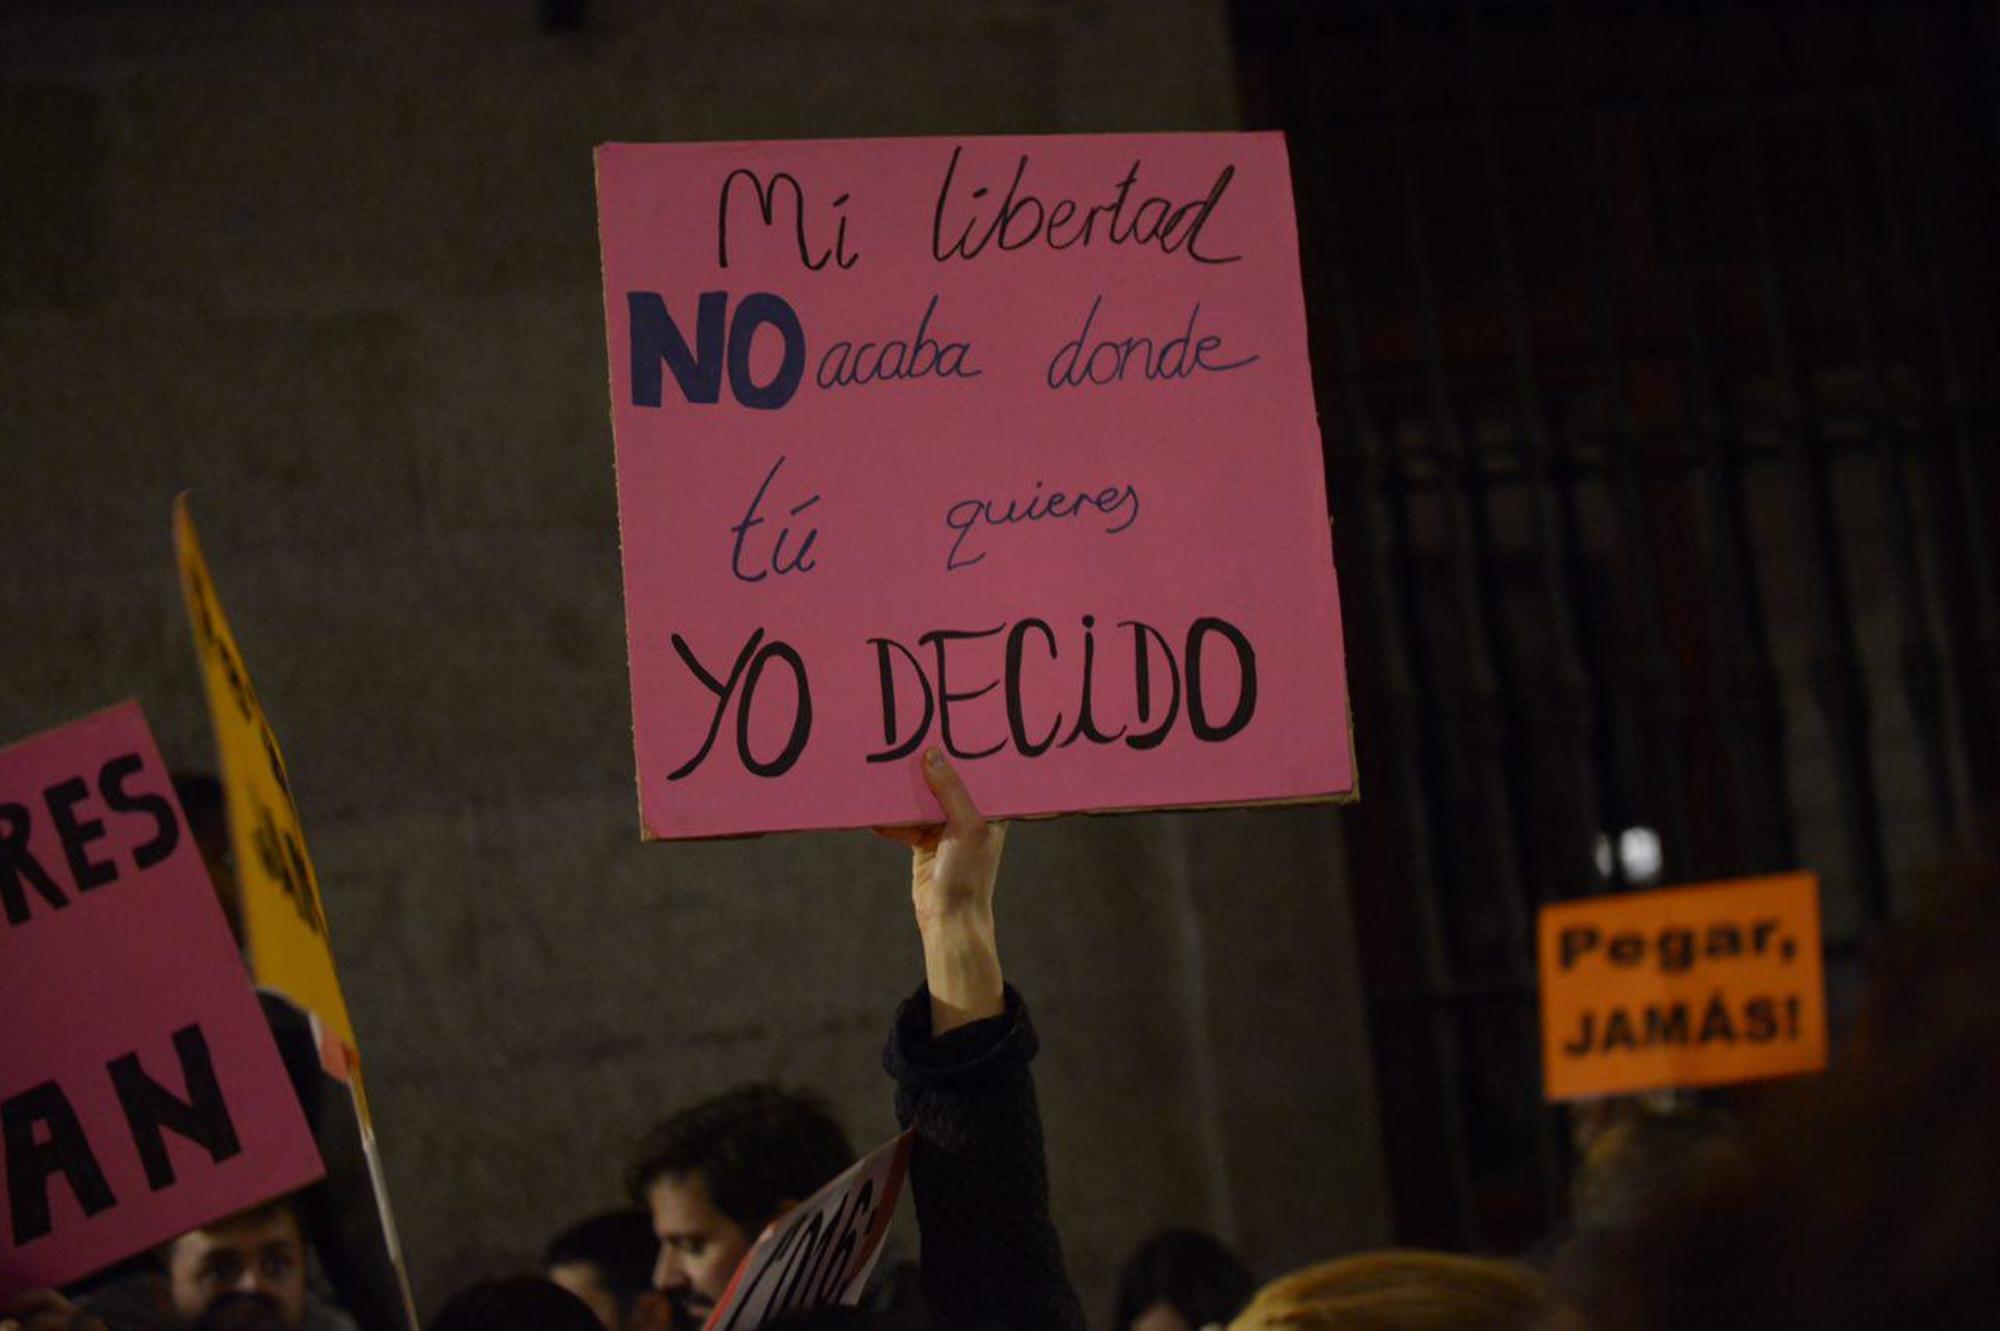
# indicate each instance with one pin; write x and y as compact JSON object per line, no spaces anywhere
{"x":245,"y":1272}
{"x":1401,"y":1290}
{"x":45,"y":1310}
{"x":608,"y":1262}
{"x":206,"y":805}
{"x":1647,"y":1162}
{"x":1870,"y":1197}
{"x":714,"y":1175}
{"x":248,"y":1270}
{"x":1180,"y":1280}
{"x":516,"y":1303}
{"x":959,"y":1051}
{"x":340,"y":1211}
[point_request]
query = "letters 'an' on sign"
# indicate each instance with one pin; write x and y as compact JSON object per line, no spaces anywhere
{"x":1692,"y":986}
{"x":1002,"y":445}
{"x":141,"y":1093}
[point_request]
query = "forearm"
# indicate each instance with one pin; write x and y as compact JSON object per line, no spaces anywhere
{"x":962,"y":968}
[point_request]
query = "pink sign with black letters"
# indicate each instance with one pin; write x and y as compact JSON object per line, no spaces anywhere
{"x":141,"y":1094}
{"x":1002,"y":445}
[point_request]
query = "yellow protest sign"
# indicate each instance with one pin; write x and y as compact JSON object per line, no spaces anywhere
{"x":285,"y":936}
{"x":284,"y":923}
{"x":1692,"y":986}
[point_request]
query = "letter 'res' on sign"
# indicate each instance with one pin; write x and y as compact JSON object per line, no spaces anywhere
{"x":1691,"y":986}
{"x":141,"y":1092}
{"x":283,"y":920}
{"x":822,"y":1251}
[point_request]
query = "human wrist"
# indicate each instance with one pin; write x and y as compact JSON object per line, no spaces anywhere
{"x":962,"y":970}
{"x":956,"y":923}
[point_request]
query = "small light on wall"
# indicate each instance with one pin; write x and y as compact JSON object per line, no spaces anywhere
{"x":1640,"y":857}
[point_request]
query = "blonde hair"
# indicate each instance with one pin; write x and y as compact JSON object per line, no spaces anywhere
{"x":1402,"y":1290}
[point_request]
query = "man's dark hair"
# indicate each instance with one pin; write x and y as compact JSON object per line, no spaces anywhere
{"x":206,"y":805}
{"x":755,"y":1148}
{"x":1189,"y":1271}
{"x":518,"y":1303}
{"x":620,"y":1245}
{"x":160,"y":1258}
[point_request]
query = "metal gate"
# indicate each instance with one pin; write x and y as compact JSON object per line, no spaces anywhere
{"x":1654,"y":358}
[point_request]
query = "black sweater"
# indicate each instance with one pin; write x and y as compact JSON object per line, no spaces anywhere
{"x":991,"y":1258}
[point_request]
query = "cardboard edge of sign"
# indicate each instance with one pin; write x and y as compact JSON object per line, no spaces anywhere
{"x":597,"y":156}
{"x":1352,"y":795}
{"x":1552,"y":1097}
{"x":81,"y":718}
{"x":598,"y":151}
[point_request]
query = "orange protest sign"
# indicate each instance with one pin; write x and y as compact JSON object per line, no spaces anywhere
{"x":1693,"y":986}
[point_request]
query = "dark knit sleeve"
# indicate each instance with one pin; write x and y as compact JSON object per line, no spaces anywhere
{"x":991,"y":1258}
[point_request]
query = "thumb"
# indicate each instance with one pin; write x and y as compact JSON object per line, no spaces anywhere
{"x":960,"y":813}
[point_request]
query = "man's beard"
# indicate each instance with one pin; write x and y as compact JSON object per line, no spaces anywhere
{"x":242,"y":1311}
{"x":689,"y":1309}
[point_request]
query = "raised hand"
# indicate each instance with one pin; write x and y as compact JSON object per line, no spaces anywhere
{"x":954,"y":866}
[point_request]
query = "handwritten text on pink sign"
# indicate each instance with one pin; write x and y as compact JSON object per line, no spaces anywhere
{"x":1002,"y":445}
{"x":141,"y":1093}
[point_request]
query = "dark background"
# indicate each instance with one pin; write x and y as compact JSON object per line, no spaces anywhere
{"x":1655,"y":368}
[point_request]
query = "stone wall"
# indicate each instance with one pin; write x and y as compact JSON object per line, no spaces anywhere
{"x":334,"y":269}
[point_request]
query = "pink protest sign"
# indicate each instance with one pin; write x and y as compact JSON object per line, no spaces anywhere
{"x":1003,"y":445}
{"x":141,"y":1093}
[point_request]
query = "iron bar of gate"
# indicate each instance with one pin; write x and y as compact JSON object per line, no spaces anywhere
{"x":1481,"y":741}
{"x":1394,"y":707}
{"x":1564,"y":775}
{"x":1743,"y":687}
{"x":1838,"y":685}
{"x":1920,"y":660}
{"x":1966,"y":492}
{"x":1652,"y":725}
{"x":1404,"y":573}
